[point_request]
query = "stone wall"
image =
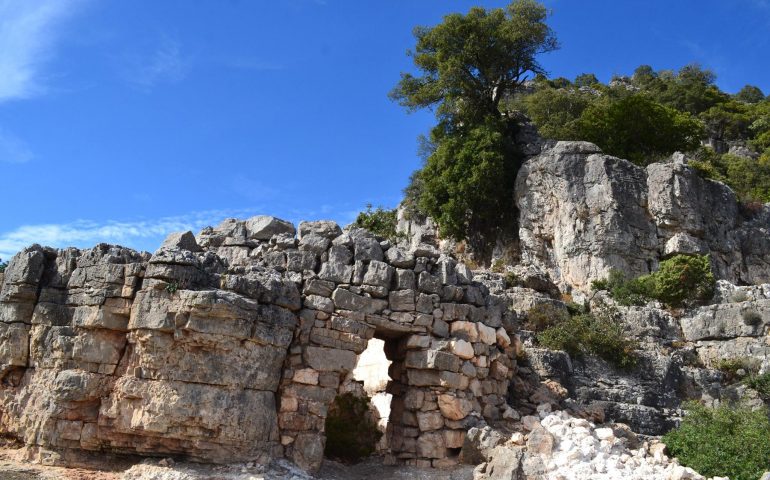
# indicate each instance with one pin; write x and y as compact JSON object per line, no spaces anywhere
{"x":231,"y":346}
{"x":583,"y":213}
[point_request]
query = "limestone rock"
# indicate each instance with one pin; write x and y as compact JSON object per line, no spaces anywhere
{"x":323,"y":228}
{"x":263,"y":227}
{"x":181,"y":240}
{"x":611,"y":214}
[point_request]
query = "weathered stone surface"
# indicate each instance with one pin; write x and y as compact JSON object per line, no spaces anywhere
{"x":181,"y":240}
{"x":378,"y":274}
{"x":347,"y":300}
{"x":402,"y":301}
{"x":620,"y":216}
{"x":186,"y":352}
{"x":330,"y":359}
{"x":324,"y":228}
{"x":263,"y":227}
{"x":454,"y":408}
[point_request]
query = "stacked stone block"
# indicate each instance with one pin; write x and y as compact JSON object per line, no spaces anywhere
{"x":232,"y":346}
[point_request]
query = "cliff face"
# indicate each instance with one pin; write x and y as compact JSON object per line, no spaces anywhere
{"x":584,"y":213}
{"x":231,"y":347}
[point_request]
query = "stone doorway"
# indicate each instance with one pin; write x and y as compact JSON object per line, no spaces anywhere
{"x":380,"y":367}
{"x":373,"y":370}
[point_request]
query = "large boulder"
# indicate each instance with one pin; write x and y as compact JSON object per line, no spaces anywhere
{"x":584,"y":213}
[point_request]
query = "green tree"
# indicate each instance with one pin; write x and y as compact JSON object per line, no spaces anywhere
{"x":556,"y":112}
{"x":750,"y":94}
{"x":644,"y":75}
{"x":729,"y":120}
{"x":586,"y":80}
{"x":467,"y":65}
{"x":691,"y":90}
{"x":639,"y":129}
{"x":467,"y":183}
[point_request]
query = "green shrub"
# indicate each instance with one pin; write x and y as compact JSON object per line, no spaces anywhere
{"x":625,"y":291}
{"x":760,"y":383}
{"x":597,"y":334}
{"x":726,"y":441}
{"x":638,"y":128}
{"x":732,"y":367}
{"x":379,"y":221}
{"x":351,"y":433}
{"x":172,"y":287}
{"x":545,"y":315}
{"x":511,"y":280}
{"x":498,"y":266}
{"x":682,"y":280}
{"x":3,"y":266}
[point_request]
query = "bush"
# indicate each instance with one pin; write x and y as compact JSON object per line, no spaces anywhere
{"x":737,"y":367}
{"x":351,"y":433}
{"x":545,"y":315}
{"x":726,"y":441}
{"x":379,"y":221}
{"x":498,"y":266}
{"x":760,"y":383}
{"x":467,"y":183}
{"x":625,"y":291}
{"x":681,"y":280}
{"x":511,"y":280}
{"x":597,"y":334}
{"x":684,"y":279}
{"x":3,"y":266}
{"x":639,"y":129}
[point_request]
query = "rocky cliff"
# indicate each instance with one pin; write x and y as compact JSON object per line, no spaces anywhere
{"x":584,"y":213}
{"x":231,"y":345}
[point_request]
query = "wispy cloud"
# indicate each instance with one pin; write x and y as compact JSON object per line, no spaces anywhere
{"x":136,"y":234}
{"x":164,"y":64}
{"x":13,"y":149}
{"x":28,"y":32}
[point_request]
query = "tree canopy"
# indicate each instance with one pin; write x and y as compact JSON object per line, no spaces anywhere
{"x":651,"y":114}
{"x":638,"y":129}
{"x":467,"y":65}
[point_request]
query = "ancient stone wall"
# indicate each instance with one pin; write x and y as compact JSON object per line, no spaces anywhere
{"x":232,"y":346}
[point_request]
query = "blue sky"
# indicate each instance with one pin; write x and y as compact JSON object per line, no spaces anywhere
{"x":123,"y":120}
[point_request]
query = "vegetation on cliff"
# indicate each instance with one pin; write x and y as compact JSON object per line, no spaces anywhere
{"x":479,"y":71}
{"x":682,"y":280}
{"x":649,"y":115}
{"x":729,"y":441}
{"x":597,"y":333}
{"x":467,"y":65}
{"x":380,"y":221}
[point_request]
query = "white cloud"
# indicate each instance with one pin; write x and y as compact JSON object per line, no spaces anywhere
{"x":28,"y":32}
{"x":136,"y":234}
{"x":13,"y":149}
{"x":165,"y":64}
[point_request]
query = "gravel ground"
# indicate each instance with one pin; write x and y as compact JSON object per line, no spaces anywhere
{"x":13,"y":468}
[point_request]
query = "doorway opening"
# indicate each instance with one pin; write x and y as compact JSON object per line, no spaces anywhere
{"x":373,"y":370}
